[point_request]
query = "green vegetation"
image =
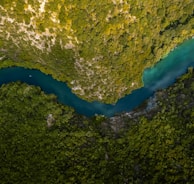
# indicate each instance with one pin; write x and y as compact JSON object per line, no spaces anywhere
{"x":100,"y":48}
{"x":42,"y":141}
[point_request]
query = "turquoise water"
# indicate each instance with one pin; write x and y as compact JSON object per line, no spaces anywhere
{"x":160,"y":76}
{"x":167,"y":70}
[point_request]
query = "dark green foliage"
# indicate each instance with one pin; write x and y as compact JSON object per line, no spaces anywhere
{"x":161,"y":146}
{"x":42,"y":141}
{"x":156,"y":147}
{"x":28,"y":148}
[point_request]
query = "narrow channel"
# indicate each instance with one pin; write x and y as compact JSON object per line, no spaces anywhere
{"x":162,"y":75}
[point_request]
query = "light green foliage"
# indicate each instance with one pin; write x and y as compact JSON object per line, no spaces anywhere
{"x":100,"y":48}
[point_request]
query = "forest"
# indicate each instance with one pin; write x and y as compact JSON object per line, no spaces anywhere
{"x":100,"y":48}
{"x":42,"y":141}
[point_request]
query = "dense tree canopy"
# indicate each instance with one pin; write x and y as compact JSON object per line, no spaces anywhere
{"x":153,"y":147}
{"x":106,"y":43}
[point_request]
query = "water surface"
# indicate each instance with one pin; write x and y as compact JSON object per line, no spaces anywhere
{"x":160,"y":76}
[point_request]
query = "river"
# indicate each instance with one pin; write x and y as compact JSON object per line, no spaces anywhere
{"x":162,"y":75}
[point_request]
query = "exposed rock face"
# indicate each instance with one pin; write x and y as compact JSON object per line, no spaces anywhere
{"x":99,"y":48}
{"x":50,"y":120}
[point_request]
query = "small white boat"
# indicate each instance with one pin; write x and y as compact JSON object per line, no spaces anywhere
{"x":30,"y":75}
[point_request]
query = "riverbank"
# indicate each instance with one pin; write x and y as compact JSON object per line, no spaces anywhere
{"x":176,"y":100}
{"x":156,"y":147}
{"x":125,"y":39}
{"x":162,"y":75}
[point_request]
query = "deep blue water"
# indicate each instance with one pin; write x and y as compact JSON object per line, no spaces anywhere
{"x":160,"y":76}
